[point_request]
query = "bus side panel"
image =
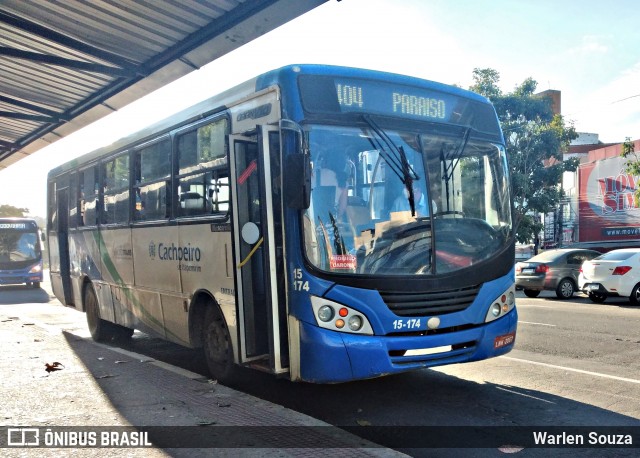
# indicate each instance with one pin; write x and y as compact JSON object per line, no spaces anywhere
{"x":105,"y":303}
{"x":84,"y":257}
{"x":123,"y":306}
{"x":117,"y":257}
{"x":152,"y":253}
{"x":147,"y":310}
{"x":153,"y":248}
{"x":208,"y":268}
{"x":117,"y":272}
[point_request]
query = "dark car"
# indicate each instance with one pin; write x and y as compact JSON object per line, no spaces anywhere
{"x":553,"y":270}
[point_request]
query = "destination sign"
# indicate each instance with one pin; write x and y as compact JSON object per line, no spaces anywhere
{"x":335,"y":94}
{"x":399,"y":101}
{"x":20,"y":226}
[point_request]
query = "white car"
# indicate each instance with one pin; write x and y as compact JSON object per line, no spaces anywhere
{"x":616,"y":273}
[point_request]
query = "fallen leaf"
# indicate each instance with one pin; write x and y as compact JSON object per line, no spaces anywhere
{"x":363,"y":422}
{"x":53,"y":367}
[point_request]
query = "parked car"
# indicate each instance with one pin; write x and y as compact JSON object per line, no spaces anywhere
{"x":616,"y":273}
{"x":554,"y":270}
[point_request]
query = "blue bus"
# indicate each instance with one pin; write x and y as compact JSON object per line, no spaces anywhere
{"x":320,"y":223}
{"x":20,"y":252}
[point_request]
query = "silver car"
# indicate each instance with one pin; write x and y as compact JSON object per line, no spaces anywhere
{"x":554,"y":270}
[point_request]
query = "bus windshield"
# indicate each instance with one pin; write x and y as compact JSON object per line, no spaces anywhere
{"x":18,"y":246}
{"x":390,"y":201}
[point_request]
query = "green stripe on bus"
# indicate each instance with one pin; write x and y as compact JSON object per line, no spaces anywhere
{"x":117,"y":278}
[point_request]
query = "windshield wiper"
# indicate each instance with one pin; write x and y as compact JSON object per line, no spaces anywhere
{"x":454,"y":157}
{"x":399,"y":163}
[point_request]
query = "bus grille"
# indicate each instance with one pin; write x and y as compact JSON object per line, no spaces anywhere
{"x":430,"y":303}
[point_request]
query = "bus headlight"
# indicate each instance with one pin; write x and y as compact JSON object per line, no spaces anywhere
{"x":355,"y":323}
{"x":345,"y":319}
{"x":502,"y":304}
{"x":326,"y":313}
{"x":35,"y":269}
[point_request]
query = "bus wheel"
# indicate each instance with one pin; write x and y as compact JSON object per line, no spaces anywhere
{"x":101,"y":330}
{"x":218,"y":351}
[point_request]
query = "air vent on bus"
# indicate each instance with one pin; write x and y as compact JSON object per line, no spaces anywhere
{"x":430,"y":303}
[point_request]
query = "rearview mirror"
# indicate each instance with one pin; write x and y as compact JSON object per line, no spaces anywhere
{"x":296,"y":166}
{"x":297,"y":181}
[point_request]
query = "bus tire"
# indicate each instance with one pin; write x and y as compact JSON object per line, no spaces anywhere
{"x":102,"y":330}
{"x":218,"y":348}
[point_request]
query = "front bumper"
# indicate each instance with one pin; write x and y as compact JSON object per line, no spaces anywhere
{"x":14,"y":279}
{"x":330,"y":357}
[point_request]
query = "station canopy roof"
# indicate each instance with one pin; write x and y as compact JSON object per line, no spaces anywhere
{"x":65,"y":63}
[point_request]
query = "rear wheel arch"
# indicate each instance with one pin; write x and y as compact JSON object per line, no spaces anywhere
{"x":101,"y":330}
{"x":200,"y":303}
{"x":215,"y":339}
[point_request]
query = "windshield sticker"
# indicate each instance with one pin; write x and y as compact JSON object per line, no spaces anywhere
{"x":343,"y":261}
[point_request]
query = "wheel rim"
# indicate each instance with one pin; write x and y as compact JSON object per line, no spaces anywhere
{"x":567,"y":289}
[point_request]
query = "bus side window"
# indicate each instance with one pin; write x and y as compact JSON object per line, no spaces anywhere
{"x":116,"y":190}
{"x":87,"y":197}
{"x":152,"y":172}
{"x":203,"y":177}
{"x":219,"y":195}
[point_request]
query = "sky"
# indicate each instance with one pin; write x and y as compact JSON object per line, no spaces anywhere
{"x":587,"y":49}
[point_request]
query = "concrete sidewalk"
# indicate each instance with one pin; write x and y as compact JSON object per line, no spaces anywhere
{"x":103,"y":388}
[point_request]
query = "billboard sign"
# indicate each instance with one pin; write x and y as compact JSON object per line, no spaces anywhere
{"x":607,"y":209}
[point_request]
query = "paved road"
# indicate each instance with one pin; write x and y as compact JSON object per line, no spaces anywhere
{"x":575,"y":363}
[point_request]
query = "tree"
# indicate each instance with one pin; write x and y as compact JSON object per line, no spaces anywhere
{"x":632,"y":166}
{"x":535,"y":140}
{"x":11,"y":211}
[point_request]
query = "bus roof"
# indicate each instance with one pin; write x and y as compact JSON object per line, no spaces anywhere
{"x":286,"y":75}
{"x":290,"y":71}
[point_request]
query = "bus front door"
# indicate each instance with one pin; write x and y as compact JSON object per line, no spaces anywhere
{"x":261,"y":334}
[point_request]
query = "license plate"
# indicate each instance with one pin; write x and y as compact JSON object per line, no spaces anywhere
{"x":527,"y":271}
{"x":503,"y":341}
{"x":593,"y":287}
